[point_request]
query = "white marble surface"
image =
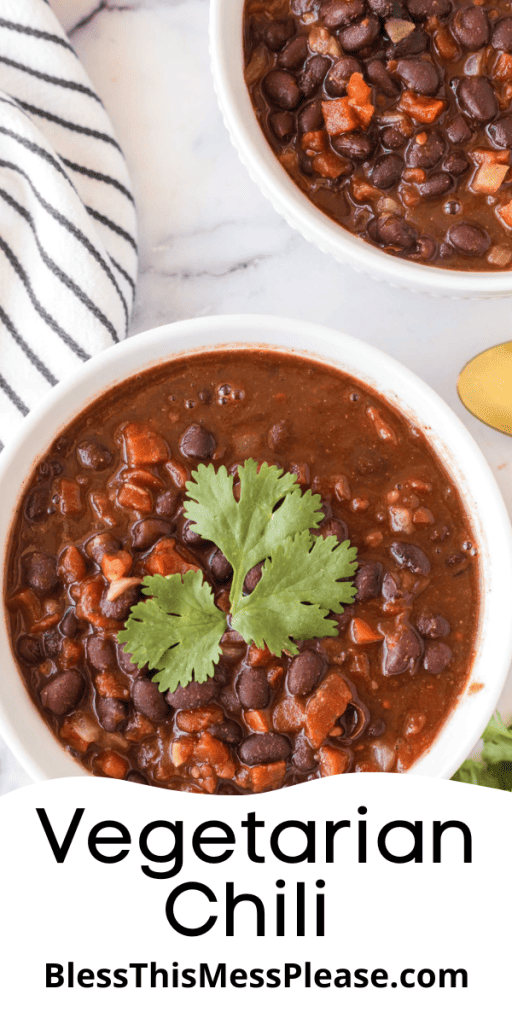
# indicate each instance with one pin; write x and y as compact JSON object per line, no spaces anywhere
{"x":209,"y":241}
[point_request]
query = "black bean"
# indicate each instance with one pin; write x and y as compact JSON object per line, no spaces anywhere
{"x":383,"y":8}
{"x":219,"y":567}
{"x":166,"y":503}
{"x":29,"y":648}
{"x":422,"y":10}
{"x":387,"y":170}
{"x":471,"y":27}
{"x":111,"y":713}
{"x":303,"y":758}
{"x":425,"y":248}
{"x":52,"y":642}
{"x":401,"y":651}
{"x":148,"y":700}
{"x":437,"y":657}
{"x":228,"y":731}
{"x":146,"y":532}
{"x":395,"y":231}
{"x":189,"y":535}
{"x":354,"y":146}
{"x":294,"y":53}
{"x":125,"y":662}
{"x":196,"y":442}
{"x":304,"y":672}
{"x":264,"y":747}
{"x":69,"y":625}
{"x":100,"y":653}
{"x":419,"y":75}
{"x":359,"y":36}
{"x":425,"y":153}
{"x":63,"y":692}
{"x":276,"y":33}
{"x":437,"y":185}
{"x":278,"y":436}
{"x":502,"y":35}
{"x":40,"y":572}
{"x":432,"y":626}
{"x":311,"y":117}
{"x":416,"y":42}
{"x":282,"y":124}
{"x":333,"y":528}
{"x":367,"y":581}
{"x":313,"y":74}
{"x":282,"y":88}
{"x":195,"y":695}
{"x":469,"y":239}
{"x":340,"y":73}
{"x":36,"y":505}
{"x":392,"y":138}
{"x":458,"y":131}
{"x":119,"y":608}
{"x":137,"y":777}
{"x":378,"y":74}
{"x":501,"y":132}
{"x":229,"y":700}
{"x":409,"y":556}
{"x":376,"y":728}
{"x":93,"y":455}
{"x":456,"y":163}
{"x":340,"y":13}
{"x":253,"y":578}
{"x":252,"y":688}
{"x":102,"y":544}
{"x":477,"y":98}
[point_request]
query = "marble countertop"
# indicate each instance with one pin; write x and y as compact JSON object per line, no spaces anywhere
{"x":210,"y":243}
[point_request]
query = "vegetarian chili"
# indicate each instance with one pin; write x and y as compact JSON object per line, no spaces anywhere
{"x":104,"y":509}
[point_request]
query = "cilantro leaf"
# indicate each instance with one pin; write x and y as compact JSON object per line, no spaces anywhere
{"x":177,"y":632}
{"x":302,"y":582}
{"x":477,"y":774}
{"x":497,"y":741}
{"x":496,"y":770}
{"x":248,"y":530}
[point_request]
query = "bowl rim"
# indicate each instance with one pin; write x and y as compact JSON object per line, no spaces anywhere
{"x":299,"y":211}
{"x":463,"y":727}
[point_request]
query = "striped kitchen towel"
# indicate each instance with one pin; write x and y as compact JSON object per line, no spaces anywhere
{"x":68,"y":251}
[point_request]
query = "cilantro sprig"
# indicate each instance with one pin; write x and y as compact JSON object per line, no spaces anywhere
{"x":495,"y":768}
{"x":177,"y":628}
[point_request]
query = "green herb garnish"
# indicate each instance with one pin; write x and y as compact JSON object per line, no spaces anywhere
{"x":495,"y":768}
{"x":178,"y":630}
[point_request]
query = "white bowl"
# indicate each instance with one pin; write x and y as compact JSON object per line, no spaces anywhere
{"x":226,"y":49}
{"x":21,"y":724}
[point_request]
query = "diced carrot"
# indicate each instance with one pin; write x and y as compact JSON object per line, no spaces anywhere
{"x":359,"y":96}
{"x":505,"y":212}
{"x":423,"y":517}
{"x":363,"y":633}
{"x":341,"y":487}
{"x":79,"y":730}
{"x":70,"y":501}
{"x":328,"y":165}
{"x":45,"y":623}
{"x":267,"y":776}
{"x":445,"y":44}
{"x":198,"y":719}
{"x":314,"y":142}
{"x":257,"y":721}
{"x":88,"y":602}
{"x":138,"y":727}
{"x":102,"y":508}
{"x":502,"y":70}
{"x":72,"y":565}
{"x":143,"y":446}
{"x":108,"y":684}
{"x":179,"y":474}
{"x":71,"y":653}
{"x":301,"y":471}
{"x":182,"y":750}
{"x":325,"y":706}
{"x":205,"y":778}
{"x":136,"y":498}
{"x":288,"y":715}
{"x":333,"y":760}
{"x":339,"y":116}
{"x":165,"y":560}
{"x":112,"y":764}
{"x":27,"y":603}
{"x":493,"y":169}
{"x":274,"y":675}
{"x":259,"y":655}
{"x":424,"y":109}
{"x":143,"y":478}
{"x":363,"y":190}
{"x":114,"y":567}
{"x":210,"y":750}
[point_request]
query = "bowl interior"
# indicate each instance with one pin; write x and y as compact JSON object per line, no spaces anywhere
{"x":24,"y":729}
{"x":226,"y":20}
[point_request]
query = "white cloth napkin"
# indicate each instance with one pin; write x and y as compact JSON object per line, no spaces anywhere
{"x":68,"y":251}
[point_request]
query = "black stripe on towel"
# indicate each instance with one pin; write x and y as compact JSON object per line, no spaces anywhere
{"x":15,"y":399}
{"x":63,"y":82}
{"x":98,"y":176}
{"x":49,"y":37}
{"x":80,"y":128}
{"x":31,"y":356}
{"x":113,"y":226}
